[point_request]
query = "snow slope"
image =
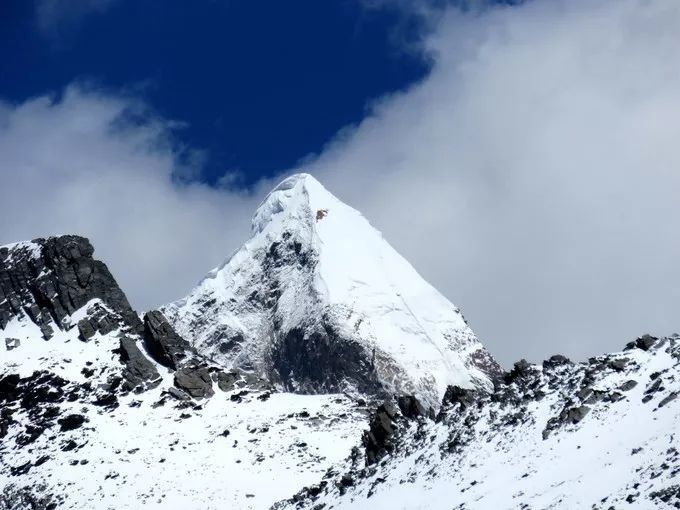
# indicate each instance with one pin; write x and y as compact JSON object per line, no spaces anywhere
{"x":90,"y":419}
{"x":601,"y":434}
{"x":239,"y":449}
{"x":315,"y":275}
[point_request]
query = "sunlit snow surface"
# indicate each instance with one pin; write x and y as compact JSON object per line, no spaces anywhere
{"x":492,"y":455}
{"x":350,"y":275}
{"x":142,"y":456}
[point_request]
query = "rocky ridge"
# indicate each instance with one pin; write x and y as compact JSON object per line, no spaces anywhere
{"x":597,"y":434}
{"x":85,"y":384}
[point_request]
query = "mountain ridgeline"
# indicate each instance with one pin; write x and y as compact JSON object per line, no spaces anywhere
{"x":313,"y":369}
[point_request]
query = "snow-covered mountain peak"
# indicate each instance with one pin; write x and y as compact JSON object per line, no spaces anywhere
{"x":293,"y":195}
{"x":316,"y":300}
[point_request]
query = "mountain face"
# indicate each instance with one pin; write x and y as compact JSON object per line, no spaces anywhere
{"x":313,"y":370}
{"x":317,"y":301}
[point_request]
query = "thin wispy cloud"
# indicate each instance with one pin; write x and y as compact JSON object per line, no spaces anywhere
{"x":56,"y":17}
{"x":105,"y":167}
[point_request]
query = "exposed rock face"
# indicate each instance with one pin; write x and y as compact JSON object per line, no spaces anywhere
{"x":317,"y":360}
{"x":196,"y":381}
{"x":162,"y":341}
{"x":26,"y":498}
{"x":103,"y":321}
{"x":378,"y":440}
{"x":49,"y":279}
{"x":139,"y":372}
{"x":602,"y":418}
{"x":234,"y":379}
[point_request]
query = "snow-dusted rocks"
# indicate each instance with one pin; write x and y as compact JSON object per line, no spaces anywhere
{"x":317,"y":301}
{"x":600,"y":434}
{"x":49,"y":279}
{"x":108,"y":411}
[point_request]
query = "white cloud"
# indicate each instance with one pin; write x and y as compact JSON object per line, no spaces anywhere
{"x":534,"y":175}
{"x":86,"y":164}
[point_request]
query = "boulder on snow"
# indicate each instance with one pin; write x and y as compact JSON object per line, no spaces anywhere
{"x":645,"y":342}
{"x":195,"y":380}
{"x":618,"y":364}
{"x":86,"y":329}
{"x":12,"y":343}
{"x":162,"y":341}
{"x":575,"y":414}
{"x":71,"y":422}
{"x":628,"y":385}
{"x":139,"y":372}
{"x":668,"y":399}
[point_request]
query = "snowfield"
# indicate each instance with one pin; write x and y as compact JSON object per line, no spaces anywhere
{"x":230,"y":451}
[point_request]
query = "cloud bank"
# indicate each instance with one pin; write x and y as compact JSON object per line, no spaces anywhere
{"x":103,"y":166}
{"x":533,"y":176}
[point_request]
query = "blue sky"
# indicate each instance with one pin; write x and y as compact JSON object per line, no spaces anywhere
{"x":255,"y":92}
{"x":522,"y":156}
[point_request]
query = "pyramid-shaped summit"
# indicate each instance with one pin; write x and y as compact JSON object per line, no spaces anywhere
{"x":317,"y":301}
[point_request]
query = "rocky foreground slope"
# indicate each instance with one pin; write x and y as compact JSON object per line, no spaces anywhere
{"x":102,"y":409}
{"x":314,"y":369}
{"x":600,"y":435}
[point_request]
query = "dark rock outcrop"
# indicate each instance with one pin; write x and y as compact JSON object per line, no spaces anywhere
{"x":162,"y":341}
{"x":556,"y":360}
{"x":99,"y":320}
{"x":521,"y":370}
{"x":49,"y":279}
{"x":378,"y":439}
{"x":455,"y":396}
{"x":195,"y":380}
{"x":139,"y":373}
{"x":411,"y":407}
{"x":645,"y":342}
{"x":236,"y":379}
{"x":320,"y":360}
